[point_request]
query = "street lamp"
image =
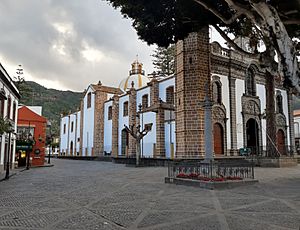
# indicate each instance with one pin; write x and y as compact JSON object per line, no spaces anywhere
{"x":29,"y":140}
{"x":49,"y":141}
{"x":10,"y":130}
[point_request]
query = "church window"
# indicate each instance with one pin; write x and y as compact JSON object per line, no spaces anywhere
{"x":279,"y":103}
{"x":170,"y":95}
{"x":109,"y":113}
{"x":250,"y":83}
{"x":145,"y":101}
{"x":125,"y":109}
{"x":89,"y":100}
{"x":2,"y":107}
{"x":8,"y":107}
{"x":72,"y":126}
{"x":14,"y":110}
{"x":217,"y":92}
{"x":64,"y":128}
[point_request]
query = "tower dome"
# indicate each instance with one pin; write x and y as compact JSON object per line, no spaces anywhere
{"x":136,"y":78}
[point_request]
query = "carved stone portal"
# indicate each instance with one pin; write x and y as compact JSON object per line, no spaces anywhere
{"x":219,"y":116}
{"x":251,"y":108}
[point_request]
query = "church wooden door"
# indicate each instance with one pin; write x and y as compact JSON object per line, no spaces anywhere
{"x":281,"y":142}
{"x":218,"y":139}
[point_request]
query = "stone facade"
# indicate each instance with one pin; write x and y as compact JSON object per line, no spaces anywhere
{"x":236,"y":109}
{"x":115,"y":126}
{"x":100,"y":98}
{"x":193,"y":77}
{"x":132,"y":113}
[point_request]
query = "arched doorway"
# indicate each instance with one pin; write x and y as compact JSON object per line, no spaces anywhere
{"x":124,"y":144}
{"x":218,"y":139}
{"x":71,"y":148}
{"x":281,"y":142}
{"x":252,"y":135}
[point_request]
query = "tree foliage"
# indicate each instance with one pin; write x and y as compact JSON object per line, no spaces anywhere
{"x":5,"y":125}
{"x":274,"y":22}
{"x":164,"y":59}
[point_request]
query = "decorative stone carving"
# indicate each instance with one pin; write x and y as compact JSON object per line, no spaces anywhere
{"x":280,"y":120}
{"x":251,"y":107}
{"x":219,"y":113}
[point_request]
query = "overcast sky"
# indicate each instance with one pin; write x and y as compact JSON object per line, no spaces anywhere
{"x":68,"y":44}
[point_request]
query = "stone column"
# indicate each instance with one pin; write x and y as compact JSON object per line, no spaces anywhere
{"x":115,"y":126}
{"x":132,"y":121}
{"x":100,"y":98}
{"x":160,"y":134}
{"x":291,"y":122}
{"x":160,"y":149}
{"x":232,"y":104}
{"x":192,"y":77}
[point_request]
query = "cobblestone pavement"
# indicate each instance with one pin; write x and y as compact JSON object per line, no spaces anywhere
{"x":101,"y":195}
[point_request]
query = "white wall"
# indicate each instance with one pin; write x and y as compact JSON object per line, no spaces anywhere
{"x":147,"y":144}
{"x":64,"y":136}
{"x":226,"y":102}
{"x":78,"y":133}
{"x":122,"y":120}
{"x":297,"y":126}
{"x":163,"y":85}
{"x":169,"y":126}
{"x":150,"y":139}
{"x":88,"y":124}
{"x":261,"y":93}
{"x":107,"y":128}
{"x":240,"y":89}
{"x":285,"y":112}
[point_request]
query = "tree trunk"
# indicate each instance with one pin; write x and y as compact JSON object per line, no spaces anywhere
{"x":270,"y":116}
{"x":275,"y":33}
{"x":138,"y":151}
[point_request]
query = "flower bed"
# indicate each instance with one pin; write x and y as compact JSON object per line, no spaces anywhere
{"x":195,"y":176}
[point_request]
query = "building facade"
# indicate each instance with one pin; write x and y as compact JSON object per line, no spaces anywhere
{"x":241,"y":95}
{"x":31,"y":122}
{"x":9,"y":100}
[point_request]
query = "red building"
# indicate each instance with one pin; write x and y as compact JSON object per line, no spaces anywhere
{"x":33,"y":125}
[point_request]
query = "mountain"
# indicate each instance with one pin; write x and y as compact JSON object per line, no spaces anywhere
{"x":54,"y":102}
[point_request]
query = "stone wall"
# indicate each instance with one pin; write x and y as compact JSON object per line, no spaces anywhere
{"x":115,"y":126}
{"x":132,"y":121}
{"x":100,"y":98}
{"x":193,"y":77}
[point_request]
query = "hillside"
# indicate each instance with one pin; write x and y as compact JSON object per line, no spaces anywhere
{"x":54,"y":102}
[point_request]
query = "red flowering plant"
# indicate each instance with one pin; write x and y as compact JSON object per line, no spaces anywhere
{"x":182,"y":175}
{"x":193,"y":175}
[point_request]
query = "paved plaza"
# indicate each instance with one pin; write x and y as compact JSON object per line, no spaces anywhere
{"x":101,"y":195}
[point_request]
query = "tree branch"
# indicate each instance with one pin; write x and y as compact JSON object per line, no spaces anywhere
{"x":234,"y":45}
{"x":291,"y":22}
{"x":217,"y":13}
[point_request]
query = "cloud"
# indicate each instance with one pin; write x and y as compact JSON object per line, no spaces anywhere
{"x":69,"y":43}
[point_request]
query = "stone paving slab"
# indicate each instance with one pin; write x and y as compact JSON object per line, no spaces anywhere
{"x":100,"y":195}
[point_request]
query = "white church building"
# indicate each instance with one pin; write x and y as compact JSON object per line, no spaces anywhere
{"x":173,"y":105}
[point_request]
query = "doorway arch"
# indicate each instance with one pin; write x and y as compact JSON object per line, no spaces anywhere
{"x":71,"y":148}
{"x":280,"y":136}
{"x":252,"y":135}
{"x":218,"y":133}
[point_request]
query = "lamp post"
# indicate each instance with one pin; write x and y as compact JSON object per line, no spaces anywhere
{"x":50,"y":141}
{"x":11,"y":129}
{"x":142,"y":116}
{"x":29,"y":140}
